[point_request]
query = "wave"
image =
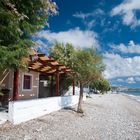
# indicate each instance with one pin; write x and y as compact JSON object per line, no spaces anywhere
{"x":134,"y":97}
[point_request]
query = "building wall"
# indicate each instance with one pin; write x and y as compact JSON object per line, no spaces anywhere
{"x":28,"y":94}
{"x":7,"y":83}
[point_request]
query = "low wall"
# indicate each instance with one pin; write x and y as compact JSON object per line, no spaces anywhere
{"x":21,"y":111}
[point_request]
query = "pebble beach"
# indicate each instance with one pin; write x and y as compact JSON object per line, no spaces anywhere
{"x":106,"y":117}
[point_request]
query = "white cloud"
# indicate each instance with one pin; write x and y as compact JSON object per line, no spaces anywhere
{"x":99,"y":11}
{"x":137,"y":79}
{"x":90,"y":14}
{"x":89,"y":19}
{"x":82,"y":15}
{"x":120,"y":80}
{"x":90,"y":24}
{"x":77,"y":37}
{"x":41,"y":46}
{"x":128,"y":9}
{"x":40,"y":43}
{"x":130,"y":48}
{"x":130,"y":80}
{"x":117,"y":66}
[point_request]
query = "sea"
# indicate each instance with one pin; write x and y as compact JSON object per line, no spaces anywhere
{"x":134,"y":94}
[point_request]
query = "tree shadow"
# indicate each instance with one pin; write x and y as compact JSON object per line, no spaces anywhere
{"x":71,"y":109}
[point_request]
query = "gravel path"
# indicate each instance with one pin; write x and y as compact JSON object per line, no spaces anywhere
{"x":107,"y":117}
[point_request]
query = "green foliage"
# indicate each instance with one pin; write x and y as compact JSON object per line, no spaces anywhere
{"x":86,"y":63}
{"x":19,"y":19}
{"x":65,"y":54}
{"x":101,"y":85}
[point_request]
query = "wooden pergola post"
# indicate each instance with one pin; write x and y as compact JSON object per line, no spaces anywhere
{"x":52,"y":85}
{"x":57,"y":84}
{"x":73,"y":84}
{"x":15,"y":85}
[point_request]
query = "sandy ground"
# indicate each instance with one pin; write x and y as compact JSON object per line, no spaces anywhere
{"x":106,"y":117}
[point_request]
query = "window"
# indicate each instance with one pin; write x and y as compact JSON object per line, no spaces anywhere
{"x":27,"y":82}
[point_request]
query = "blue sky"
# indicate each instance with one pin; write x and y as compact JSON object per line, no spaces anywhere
{"x":112,"y":26}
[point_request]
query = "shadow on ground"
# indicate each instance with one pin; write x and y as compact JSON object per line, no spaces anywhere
{"x":70,"y":108}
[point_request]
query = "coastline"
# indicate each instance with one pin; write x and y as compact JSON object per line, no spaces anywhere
{"x":106,"y":117}
{"x":130,"y":96}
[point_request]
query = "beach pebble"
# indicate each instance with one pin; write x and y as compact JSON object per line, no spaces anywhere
{"x":106,"y":117}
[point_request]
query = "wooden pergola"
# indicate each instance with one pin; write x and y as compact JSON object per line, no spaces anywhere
{"x":45,"y":65}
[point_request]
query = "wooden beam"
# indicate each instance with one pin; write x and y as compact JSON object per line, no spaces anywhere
{"x":49,"y":71}
{"x":46,"y":63}
{"x":39,"y":64}
{"x":44,"y":67}
{"x":41,"y":54}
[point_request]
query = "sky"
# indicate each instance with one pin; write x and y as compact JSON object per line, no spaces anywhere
{"x":111,"y":26}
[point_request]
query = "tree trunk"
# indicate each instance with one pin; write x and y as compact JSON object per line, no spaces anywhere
{"x":79,"y":109}
{"x":15,"y":85}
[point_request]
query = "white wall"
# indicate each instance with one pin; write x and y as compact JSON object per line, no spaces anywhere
{"x":3,"y":117}
{"x":77,"y":91}
{"x":70,"y":91}
{"x":21,"y":111}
